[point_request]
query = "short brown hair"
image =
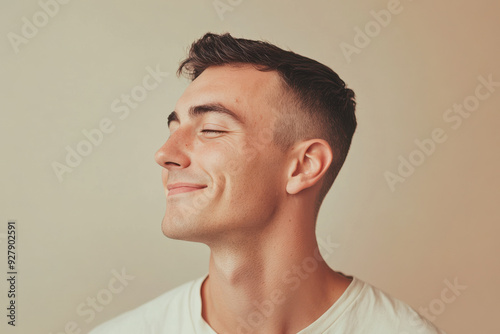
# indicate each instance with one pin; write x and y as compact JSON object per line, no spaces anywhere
{"x":312,"y":91}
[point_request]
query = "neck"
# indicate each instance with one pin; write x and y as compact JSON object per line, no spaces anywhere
{"x":274,"y":282}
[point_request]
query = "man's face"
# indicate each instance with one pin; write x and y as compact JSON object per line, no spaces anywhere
{"x":223,"y":176}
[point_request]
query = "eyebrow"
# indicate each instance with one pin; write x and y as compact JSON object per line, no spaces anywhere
{"x":203,"y":109}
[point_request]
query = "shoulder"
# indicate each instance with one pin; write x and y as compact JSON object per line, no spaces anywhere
{"x":382,"y":313}
{"x":154,"y":316}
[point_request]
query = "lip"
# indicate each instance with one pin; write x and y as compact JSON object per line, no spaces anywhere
{"x":181,"y":187}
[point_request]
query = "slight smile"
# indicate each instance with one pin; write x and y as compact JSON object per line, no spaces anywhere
{"x":178,"y":188}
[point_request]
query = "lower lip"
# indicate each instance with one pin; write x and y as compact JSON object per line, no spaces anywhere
{"x":182,"y":190}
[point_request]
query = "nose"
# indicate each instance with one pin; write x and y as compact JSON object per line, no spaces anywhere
{"x":174,"y":153}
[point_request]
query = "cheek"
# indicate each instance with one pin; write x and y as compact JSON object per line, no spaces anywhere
{"x":257,"y":170}
{"x":246,"y":169}
{"x":222,"y":158}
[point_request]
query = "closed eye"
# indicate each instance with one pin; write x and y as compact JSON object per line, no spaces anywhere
{"x":212,"y":131}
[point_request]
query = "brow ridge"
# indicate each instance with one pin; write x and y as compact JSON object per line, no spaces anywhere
{"x":202,"y":109}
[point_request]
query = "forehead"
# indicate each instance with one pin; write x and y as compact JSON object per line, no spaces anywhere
{"x":242,"y":89}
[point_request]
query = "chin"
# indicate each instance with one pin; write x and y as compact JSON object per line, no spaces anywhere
{"x":180,"y":230}
{"x":172,"y":229}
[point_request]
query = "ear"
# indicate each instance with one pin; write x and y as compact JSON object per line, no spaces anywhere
{"x":309,"y":163}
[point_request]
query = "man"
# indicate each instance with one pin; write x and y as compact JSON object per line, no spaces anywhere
{"x":256,"y":141}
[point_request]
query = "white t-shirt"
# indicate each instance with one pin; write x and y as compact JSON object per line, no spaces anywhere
{"x":362,"y":309}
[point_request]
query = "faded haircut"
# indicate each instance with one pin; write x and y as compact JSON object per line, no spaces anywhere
{"x":313,"y":103}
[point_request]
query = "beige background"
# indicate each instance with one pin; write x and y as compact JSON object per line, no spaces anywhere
{"x":440,"y":224}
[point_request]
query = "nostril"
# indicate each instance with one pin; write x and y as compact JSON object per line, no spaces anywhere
{"x":173,"y":154}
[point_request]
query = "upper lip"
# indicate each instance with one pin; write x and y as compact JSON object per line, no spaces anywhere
{"x":183,"y":184}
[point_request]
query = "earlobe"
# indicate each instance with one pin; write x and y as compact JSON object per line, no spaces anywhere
{"x":312,"y":160}
{"x":293,"y":173}
{"x":293,"y":185}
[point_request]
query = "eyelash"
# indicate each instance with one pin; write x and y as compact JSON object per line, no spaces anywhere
{"x":212,"y":131}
